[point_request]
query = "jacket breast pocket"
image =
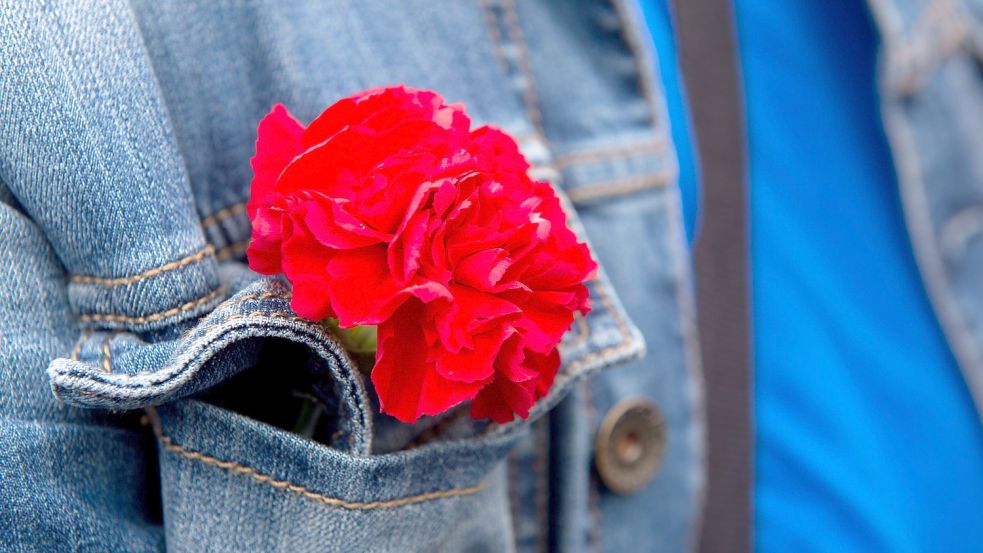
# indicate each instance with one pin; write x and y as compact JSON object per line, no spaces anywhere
{"x":230,"y":483}
{"x":235,"y":472}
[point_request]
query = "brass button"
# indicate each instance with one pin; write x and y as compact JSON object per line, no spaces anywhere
{"x":630,"y":445}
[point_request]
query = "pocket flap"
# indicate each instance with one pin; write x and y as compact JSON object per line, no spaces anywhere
{"x":120,"y":370}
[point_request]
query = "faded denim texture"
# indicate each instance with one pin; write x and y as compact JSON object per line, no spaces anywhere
{"x":130,"y":321}
{"x":931,"y":87}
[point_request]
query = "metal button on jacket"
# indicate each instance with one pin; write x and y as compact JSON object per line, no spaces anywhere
{"x":630,"y":445}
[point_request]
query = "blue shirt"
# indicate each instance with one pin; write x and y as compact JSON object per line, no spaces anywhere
{"x":867,"y":439}
{"x":866,"y":436}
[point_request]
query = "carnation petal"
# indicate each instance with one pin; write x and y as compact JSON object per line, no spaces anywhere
{"x":406,"y":249}
{"x":472,"y":364}
{"x":264,"y":248}
{"x":304,"y":264}
{"x":542,"y":323}
{"x":502,"y":399}
{"x":333,"y":168}
{"x":404,"y":377}
{"x":361,"y":287}
{"x":277,"y":143}
{"x":308,"y":298}
{"x":383,"y":108}
{"x":344,"y":113}
{"x":511,"y":361}
{"x":332,"y":226}
{"x":497,"y":150}
{"x":483,"y":270}
{"x":469,"y":311}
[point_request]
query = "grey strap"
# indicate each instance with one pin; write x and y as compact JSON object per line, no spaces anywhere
{"x":710,"y":66}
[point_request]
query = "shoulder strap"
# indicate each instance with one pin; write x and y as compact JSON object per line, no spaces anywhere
{"x":710,"y":66}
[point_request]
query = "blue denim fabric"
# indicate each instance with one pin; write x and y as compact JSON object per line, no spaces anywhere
{"x":931,"y":87}
{"x":125,"y":135}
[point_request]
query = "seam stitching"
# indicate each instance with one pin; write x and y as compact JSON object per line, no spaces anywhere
{"x":530,"y":99}
{"x":603,"y":154}
{"x":628,"y":340}
{"x":172,"y":266}
{"x":237,"y":468}
{"x":259,"y":315}
{"x":496,"y":38}
{"x":224,"y":213}
{"x":515,"y":32}
{"x":582,"y":331}
{"x":530,"y":96}
{"x":621,"y":187}
{"x":645,"y":62}
{"x":106,"y":362}
{"x":249,"y":297}
{"x":111,"y":317}
{"x":78,"y":345}
{"x":232,"y":249}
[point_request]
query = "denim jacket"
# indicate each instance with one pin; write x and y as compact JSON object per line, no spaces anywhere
{"x":138,"y":348}
{"x":931,"y":87}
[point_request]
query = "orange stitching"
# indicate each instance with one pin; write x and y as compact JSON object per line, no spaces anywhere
{"x":496,"y":36}
{"x":236,"y":468}
{"x":78,"y":346}
{"x":521,"y":139}
{"x":199,"y":329}
{"x":627,"y":343}
{"x":628,"y":339}
{"x":582,"y":331}
{"x":223,"y":214}
{"x":620,"y":187}
{"x":590,"y":156}
{"x":224,"y":306}
{"x":173,"y":265}
{"x":270,"y":315}
{"x":231,"y":249}
{"x":265,"y":295}
{"x":529,"y":95}
{"x":95,"y":317}
{"x":531,"y":100}
{"x":515,"y":32}
{"x":106,"y":366}
{"x":591,"y":357}
{"x":261,"y":314}
{"x":545,"y":172}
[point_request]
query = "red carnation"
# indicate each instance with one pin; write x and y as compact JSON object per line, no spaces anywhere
{"x":389,"y":210}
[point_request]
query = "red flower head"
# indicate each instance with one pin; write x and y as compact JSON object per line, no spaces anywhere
{"x":389,"y":210}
